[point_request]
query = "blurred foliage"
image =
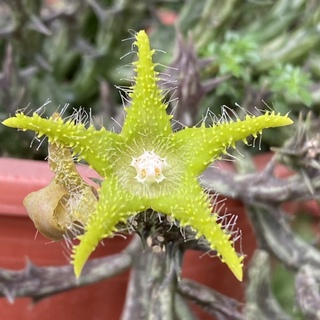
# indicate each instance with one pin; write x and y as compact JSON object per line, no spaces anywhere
{"x":283,"y":286}
{"x":69,"y":52}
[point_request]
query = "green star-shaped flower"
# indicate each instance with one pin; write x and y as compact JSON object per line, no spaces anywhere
{"x":148,"y":165}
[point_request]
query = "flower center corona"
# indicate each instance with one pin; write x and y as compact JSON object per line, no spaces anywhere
{"x":149,"y":167}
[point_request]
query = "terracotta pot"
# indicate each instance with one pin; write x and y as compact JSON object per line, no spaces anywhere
{"x":18,"y":240}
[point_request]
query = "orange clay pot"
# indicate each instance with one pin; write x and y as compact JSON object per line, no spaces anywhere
{"x":18,"y":240}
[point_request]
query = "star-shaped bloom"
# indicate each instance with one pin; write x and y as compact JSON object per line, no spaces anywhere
{"x":148,"y":165}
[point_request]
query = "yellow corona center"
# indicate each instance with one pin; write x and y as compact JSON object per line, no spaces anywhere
{"x":149,"y":167}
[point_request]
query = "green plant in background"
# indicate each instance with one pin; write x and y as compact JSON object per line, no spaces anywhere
{"x":65,"y":51}
{"x":250,"y":44}
{"x":291,"y":81}
{"x":235,"y":54}
{"x":71,"y":51}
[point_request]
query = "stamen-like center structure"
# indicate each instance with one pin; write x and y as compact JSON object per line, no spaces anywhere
{"x":149,"y":167}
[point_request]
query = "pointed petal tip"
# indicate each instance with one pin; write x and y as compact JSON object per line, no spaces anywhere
{"x":10,"y":122}
{"x":77,"y":262}
{"x":141,"y":34}
{"x":273,"y":119}
{"x":141,"y":38}
{"x":238,"y":273}
{"x":236,"y":267}
{"x":77,"y":267}
{"x":77,"y":271}
{"x":287,"y":120}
